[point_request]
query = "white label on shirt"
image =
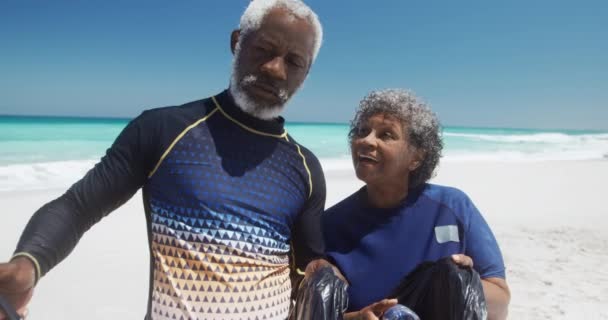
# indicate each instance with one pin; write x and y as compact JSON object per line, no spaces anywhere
{"x":444,"y":234}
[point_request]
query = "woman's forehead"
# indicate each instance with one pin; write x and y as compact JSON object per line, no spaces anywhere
{"x":384,"y":118}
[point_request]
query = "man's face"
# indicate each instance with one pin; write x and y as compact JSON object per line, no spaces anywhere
{"x":272,"y":62}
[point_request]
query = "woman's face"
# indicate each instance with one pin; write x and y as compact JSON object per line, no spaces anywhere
{"x":381,"y":152}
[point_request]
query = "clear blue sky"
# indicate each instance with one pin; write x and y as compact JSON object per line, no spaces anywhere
{"x":532,"y":64}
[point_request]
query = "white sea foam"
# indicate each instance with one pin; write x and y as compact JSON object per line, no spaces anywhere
{"x":345,"y":163}
{"x":45,"y":175}
{"x":517,"y":156}
{"x":536,"y":137}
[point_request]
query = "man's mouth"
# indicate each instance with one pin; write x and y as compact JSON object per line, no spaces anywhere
{"x":266,"y":88}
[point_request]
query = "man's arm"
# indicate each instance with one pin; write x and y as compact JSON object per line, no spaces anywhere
{"x":307,"y":243}
{"x":307,"y":235}
{"x":55,"y":229}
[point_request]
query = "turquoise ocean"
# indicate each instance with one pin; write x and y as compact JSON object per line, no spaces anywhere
{"x":50,"y":152}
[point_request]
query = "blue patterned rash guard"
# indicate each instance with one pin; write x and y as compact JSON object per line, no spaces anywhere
{"x":376,"y":248}
{"x":233,"y":205}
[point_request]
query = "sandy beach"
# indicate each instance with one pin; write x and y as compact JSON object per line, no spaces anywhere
{"x":550,"y":219}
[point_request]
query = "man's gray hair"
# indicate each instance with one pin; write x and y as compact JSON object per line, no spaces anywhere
{"x":420,"y":125}
{"x":257,"y":10}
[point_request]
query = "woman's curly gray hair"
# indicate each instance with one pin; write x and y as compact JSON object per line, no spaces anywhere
{"x":420,"y":125}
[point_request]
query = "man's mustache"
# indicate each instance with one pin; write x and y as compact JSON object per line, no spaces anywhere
{"x":277,"y":86}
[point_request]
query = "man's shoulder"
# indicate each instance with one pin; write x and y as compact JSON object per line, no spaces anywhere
{"x":303,"y":148}
{"x":307,"y":153}
{"x":194,"y":109}
{"x":169,"y":119}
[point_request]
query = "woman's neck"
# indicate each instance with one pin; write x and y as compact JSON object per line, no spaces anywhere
{"x":386,"y":196}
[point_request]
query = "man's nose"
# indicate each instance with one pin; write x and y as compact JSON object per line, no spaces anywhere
{"x":275,"y":68}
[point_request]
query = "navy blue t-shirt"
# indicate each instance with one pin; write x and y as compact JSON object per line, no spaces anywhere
{"x":375,"y":248}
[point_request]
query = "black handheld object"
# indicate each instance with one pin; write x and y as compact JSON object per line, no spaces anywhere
{"x":322,"y":297}
{"x":8,"y":309}
{"x":442,"y":290}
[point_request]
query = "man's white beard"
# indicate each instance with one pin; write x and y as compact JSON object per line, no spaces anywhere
{"x":247,"y":104}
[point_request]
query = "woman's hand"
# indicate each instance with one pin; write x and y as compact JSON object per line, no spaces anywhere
{"x":372,"y":312}
{"x":462,"y":260}
{"x":317,"y":264}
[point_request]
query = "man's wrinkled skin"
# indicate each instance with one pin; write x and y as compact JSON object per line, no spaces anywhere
{"x":17,"y":280}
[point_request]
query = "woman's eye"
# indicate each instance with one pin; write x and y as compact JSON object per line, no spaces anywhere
{"x":362,"y":132}
{"x":387,"y":135}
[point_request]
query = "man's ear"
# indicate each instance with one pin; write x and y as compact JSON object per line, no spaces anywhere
{"x":234,"y":39}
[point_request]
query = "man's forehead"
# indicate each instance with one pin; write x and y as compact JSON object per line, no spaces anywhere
{"x":282,"y":26}
{"x":281,"y":18}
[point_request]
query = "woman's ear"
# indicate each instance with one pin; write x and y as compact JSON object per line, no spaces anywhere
{"x":417,"y":159}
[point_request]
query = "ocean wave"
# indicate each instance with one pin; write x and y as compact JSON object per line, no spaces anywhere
{"x":517,"y":156}
{"x":341,"y":164}
{"x":560,"y":138}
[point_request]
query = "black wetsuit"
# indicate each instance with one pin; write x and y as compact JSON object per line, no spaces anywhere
{"x":229,"y":201}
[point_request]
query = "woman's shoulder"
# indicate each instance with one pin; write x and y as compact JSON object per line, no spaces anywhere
{"x":444,"y":194}
{"x":451,"y":198}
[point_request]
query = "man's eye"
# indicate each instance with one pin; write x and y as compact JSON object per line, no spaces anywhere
{"x":261,"y":49}
{"x":296,"y":62}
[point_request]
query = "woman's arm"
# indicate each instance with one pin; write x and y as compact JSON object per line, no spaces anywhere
{"x":497,"y":294}
{"x":482,"y":247}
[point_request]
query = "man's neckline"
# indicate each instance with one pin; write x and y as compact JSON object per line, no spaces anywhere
{"x":274,"y":127}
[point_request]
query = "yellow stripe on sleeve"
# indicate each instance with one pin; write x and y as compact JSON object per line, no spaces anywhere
{"x":34,"y":261}
{"x":183,"y":133}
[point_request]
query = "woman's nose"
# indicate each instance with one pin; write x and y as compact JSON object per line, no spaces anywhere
{"x":369,"y":139}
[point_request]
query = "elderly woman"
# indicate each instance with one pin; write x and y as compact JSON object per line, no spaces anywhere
{"x":397,"y":220}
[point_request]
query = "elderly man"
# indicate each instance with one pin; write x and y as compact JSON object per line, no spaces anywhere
{"x":232,"y":202}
